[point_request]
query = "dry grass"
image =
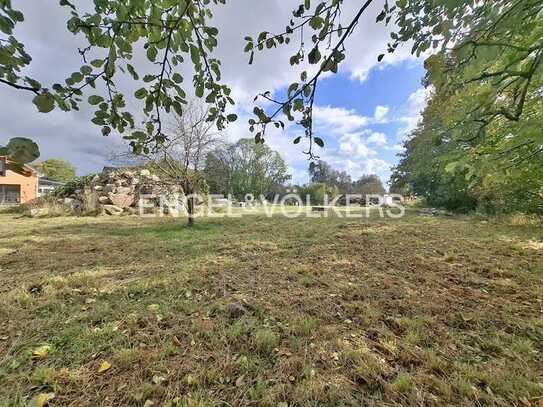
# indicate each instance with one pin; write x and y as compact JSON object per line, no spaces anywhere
{"x":336,"y":312}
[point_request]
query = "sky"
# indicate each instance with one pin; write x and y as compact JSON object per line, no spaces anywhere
{"x":363,"y":113}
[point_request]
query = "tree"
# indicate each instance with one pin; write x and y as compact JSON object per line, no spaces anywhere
{"x":56,"y":169}
{"x":368,"y":185}
{"x":319,"y":193}
{"x":180,"y":159}
{"x":491,"y":163}
{"x":179,"y":33}
{"x":18,"y":152}
{"x":321,"y":172}
{"x":245,"y":168}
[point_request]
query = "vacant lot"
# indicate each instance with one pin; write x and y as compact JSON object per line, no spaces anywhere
{"x":271,"y":312}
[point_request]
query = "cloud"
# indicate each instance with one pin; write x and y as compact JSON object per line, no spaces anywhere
{"x":412,"y":111}
{"x":73,"y":137}
{"x":381,"y":114}
{"x":338,"y":119}
{"x":377,"y":138}
{"x":352,"y":145}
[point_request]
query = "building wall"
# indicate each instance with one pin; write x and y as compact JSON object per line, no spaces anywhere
{"x":29,"y":185}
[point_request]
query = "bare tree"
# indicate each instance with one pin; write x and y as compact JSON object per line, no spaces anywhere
{"x":181,"y":159}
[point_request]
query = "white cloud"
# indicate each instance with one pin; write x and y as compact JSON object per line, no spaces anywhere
{"x":338,"y":120}
{"x":381,"y":114}
{"x":377,"y":138}
{"x":412,"y":112}
{"x":352,"y":145}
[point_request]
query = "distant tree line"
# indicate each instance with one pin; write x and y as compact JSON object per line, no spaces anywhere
{"x":325,"y":181}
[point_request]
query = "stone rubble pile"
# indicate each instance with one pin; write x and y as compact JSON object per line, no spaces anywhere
{"x":119,"y":191}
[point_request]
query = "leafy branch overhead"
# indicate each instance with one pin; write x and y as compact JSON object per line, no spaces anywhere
{"x":176,"y":34}
{"x":172,"y":33}
{"x":478,"y":30}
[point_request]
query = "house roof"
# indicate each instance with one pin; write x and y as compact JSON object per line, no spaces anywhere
{"x":47,"y":181}
{"x":28,"y":167}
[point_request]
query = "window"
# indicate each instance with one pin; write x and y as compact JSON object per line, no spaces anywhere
{"x":10,"y":194}
{"x":2,"y":166}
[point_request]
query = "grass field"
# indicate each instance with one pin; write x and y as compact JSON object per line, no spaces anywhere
{"x":270,"y":312}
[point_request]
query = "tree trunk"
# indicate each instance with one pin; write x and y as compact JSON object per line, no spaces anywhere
{"x":190,"y":210}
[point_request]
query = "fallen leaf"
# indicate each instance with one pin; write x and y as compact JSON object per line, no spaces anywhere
{"x":104,"y":367}
{"x":41,"y":400}
{"x":41,"y":352}
{"x":176,"y":341}
{"x":158,"y":379}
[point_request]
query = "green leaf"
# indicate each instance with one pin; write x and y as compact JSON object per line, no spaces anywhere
{"x":152,"y":53}
{"x":140,"y":93}
{"x":297,"y":139}
{"x":199,"y":91}
{"x":318,"y":141}
{"x":316,"y":22}
{"x":86,"y":70}
{"x":97,"y":63}
{"x":314,"y":56}
{"x":45,"y":102}
{"x":195,"y":54}
{"x":132,"y":72}
{"x":95,"y":99}
{"x":451,"y":167}
{"x":177,"y":78}
{"x":232,"y":117}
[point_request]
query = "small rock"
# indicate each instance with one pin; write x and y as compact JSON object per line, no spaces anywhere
{"x":98,"y":187}
{"x":145,"y":173}
{"x":131,"y":211}
{"x":125,"y":190}
{"x":121,"y":200}
{"x":37,"y":212}
{"x":235,"y":310}
{"x":112,"y":210}
{"x":109,"y":187}
{"x":104,"y":200}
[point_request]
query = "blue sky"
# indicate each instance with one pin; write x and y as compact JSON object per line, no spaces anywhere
{"x":363,"y":122}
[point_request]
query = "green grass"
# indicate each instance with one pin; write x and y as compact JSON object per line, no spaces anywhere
{"x":336,"y":312}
